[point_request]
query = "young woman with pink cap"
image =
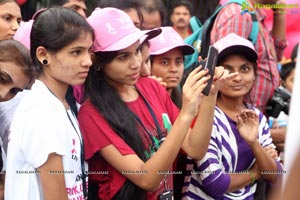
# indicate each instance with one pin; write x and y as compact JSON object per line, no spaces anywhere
{"x":240,"y":150}
{"x":132,"y":130}
{"x":167,"y":62}
{"x":167,"y":57}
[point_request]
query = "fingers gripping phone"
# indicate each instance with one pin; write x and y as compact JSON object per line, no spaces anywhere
{"x":210,"y":64}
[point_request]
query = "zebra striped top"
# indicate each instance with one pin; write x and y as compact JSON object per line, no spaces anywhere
{"x":227,"y":153}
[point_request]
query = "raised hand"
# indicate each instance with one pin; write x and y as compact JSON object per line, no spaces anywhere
{"x":192,"y":90}
{"x":221,"y":76}
{"x":247,"y":124}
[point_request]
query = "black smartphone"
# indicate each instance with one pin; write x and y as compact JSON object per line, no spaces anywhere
{"x":210,"y":64}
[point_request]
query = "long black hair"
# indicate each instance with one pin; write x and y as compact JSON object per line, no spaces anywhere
{"x":108,"y":102}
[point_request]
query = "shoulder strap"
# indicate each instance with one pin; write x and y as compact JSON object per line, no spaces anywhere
{"x":207,"y":27}
{"x":255,"y":26}
{"x":255,"y":29}
{"x":195,"y":23}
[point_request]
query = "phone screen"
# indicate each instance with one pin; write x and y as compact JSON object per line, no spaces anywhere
{"x":210,"y":64}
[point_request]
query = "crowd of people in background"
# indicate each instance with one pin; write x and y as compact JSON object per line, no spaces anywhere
{"x":96,"y":102}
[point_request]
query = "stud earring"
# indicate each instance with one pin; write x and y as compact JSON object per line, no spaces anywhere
{"x":45,"y":61}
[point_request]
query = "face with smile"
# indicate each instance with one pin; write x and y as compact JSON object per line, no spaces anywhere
{"x":12,"y":80}
{"x":169,"y":66}
{"x":10,"y":18}
{"x":242,"y":84}
{"x":70,"y":65}
{"x":125,"y":68}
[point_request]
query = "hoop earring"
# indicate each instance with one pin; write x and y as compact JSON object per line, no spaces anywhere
{"x":45,"y":62}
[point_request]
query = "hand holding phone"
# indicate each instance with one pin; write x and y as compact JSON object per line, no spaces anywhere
{"x":210,"y":64}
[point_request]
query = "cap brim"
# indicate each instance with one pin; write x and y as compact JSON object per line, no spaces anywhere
{"x":124,"y":42}
{"x":238,"y":49}
{"x":150,"y":34}
{"x":186,"y":49}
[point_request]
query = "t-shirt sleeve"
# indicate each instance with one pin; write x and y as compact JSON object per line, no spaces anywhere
{"x":265,"y":138}
{"x":43,"y":137}
{"x":212,"y":179}
{"x":97,"y":133}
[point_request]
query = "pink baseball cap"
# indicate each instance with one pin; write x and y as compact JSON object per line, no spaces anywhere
{"x":23,"y":33}
{"x":37,"y":13}
{"x":235,"y":44}
{"x":168,"y":40}
{"x":114,"y":30}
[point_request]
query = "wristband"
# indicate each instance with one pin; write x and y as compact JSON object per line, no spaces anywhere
{"x":252,"y":178}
